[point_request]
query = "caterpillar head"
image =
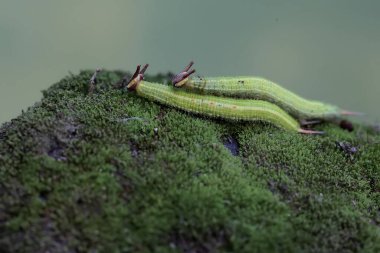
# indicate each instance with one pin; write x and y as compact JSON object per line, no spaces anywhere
{"x":137,"y":77}
{"x":182,"y":77}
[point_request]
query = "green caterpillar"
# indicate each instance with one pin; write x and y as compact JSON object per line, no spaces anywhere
{"x":261,"y":89}
{"x":213,"y":106}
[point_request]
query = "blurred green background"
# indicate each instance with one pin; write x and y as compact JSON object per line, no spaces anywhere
{"x":326,"y":50}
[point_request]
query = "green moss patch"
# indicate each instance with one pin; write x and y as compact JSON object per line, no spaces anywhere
{"x":112,"y":172}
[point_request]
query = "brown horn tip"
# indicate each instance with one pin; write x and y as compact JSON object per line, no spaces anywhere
{"x":184,"y":74}
{"x":142,"y":72}
{"x":132,"y":83}
{"x":188,"y":66}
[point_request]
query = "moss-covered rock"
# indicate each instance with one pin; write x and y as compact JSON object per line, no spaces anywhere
{"x":112,"y":172}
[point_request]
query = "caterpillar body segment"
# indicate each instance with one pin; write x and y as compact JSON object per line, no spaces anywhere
{"x":218,"y":107}
{"x":261,"y":89}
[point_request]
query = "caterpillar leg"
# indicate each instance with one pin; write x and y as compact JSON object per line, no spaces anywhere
{"x":181,"y":78}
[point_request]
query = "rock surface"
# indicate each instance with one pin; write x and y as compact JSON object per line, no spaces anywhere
{"x":112,"y":172}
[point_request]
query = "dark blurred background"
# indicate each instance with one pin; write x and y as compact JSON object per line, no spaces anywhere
{"x":326,"y":50}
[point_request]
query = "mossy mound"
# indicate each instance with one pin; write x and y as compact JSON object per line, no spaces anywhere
{"x":113,"y":172}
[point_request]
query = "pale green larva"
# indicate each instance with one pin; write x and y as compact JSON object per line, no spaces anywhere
{"x":261,"y":89}
{"x":213,"y":106}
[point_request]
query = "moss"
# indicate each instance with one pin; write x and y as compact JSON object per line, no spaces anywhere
{"x":112,"y":172}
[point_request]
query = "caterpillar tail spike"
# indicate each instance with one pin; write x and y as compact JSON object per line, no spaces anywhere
{"x":350,"y":113}
{"x":181,"y":78}
{"x":137,"y":77}
{"x":305,"y":131}
{"x":310,"y":122}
